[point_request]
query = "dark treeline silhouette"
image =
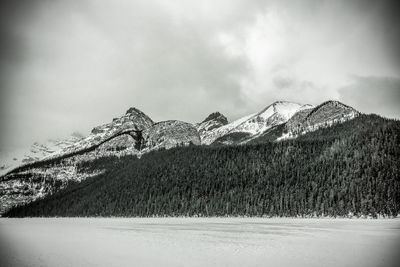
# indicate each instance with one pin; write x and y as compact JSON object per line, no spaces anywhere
{"x":350,"y":168}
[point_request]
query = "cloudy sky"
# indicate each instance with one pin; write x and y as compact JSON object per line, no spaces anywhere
{"x":67,"y":66}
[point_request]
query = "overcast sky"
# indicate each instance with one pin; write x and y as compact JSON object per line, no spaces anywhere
{"x":67,"y":66}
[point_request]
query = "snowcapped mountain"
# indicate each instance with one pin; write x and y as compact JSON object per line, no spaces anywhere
{"x":39,"y":151}
{"x":128,"y":125}
{"x":277,"y":113}
{"x":254,"y":124}
{"x":213,"y":121}
{"x":208,"y":137}
{"x":52,"y":166}
{"x":323,"y":115}
{"x":308,"y":120}
{"x":131,"y":134}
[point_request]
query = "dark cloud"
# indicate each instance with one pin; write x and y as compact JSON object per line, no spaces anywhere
{"x":380,"y":95}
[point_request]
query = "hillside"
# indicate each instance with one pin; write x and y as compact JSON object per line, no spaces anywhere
{"x":348,"y":168}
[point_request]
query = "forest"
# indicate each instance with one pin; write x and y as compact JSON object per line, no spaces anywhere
{"x":349,"y":169}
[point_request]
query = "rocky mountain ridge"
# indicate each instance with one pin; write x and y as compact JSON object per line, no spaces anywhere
{"x":253,"y":125}
{"x":135,"y":133}
{"x":213,"y":121}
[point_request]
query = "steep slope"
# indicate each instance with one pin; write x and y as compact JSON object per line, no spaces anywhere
{"x":32,"y":180}
{"x":39,"y":151}
{"x":277,"y":113}
{"x":254,"y":125}
{"x":348,"y":169}
{"x":323,"y":115}
{"x":213,"y":121}
{"x":308,"y":120}
{"x":209,"y":137}
{"x":168,"y":134}
{"x":133,"y":121}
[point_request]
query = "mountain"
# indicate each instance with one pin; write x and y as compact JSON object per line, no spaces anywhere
{"x":213,"y":121}
{"x":346,"y":169}
{"x":208,"y":137}
{"x":136,"y":134}
{"x":39,"y":151}
{"x":277,"y":113}
{"x":129,"y":125}
{"x":168,"y":134}
{"x":310,"y":119}
{"x":253,"y":125}
{"x":323,"y":115}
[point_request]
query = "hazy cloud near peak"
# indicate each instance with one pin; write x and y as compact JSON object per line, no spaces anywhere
{"x":68,"y":66}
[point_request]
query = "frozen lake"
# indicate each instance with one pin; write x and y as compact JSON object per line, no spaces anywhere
{"x":199,"y":242}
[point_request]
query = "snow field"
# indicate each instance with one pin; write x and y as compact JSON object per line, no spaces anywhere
{"x":198,"y":242}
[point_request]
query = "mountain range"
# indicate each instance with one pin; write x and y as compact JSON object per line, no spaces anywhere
{"x":136,"y":134}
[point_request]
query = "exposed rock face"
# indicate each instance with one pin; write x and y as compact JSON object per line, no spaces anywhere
{"x":134,"y":120}
{"x":216,"y":117}
{"x":132,"y":123}
{"x":122,"y":142}
{"x":277,"y":113}
{"x":213,"y":121}
{"x":208,"y":137}
{"x":168,"y":134}
{"x":323,"y":115}
{"x":248,"y":127}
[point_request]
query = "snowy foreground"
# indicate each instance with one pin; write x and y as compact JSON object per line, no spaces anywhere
{"x":199,"y":242}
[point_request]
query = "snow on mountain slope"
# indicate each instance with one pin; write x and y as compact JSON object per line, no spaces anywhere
{"x":277,"y":113}
{"x":131,"y":123}
{"x":131,"y":134}
{"x":41,"y":176}
{"x":53,"y":146}
{"x":255,"y":124}
{"x":133,"y":120}
{"x":213,"y":121}
{"x":210,"y":136}
{"x":323,"y":115}
{"x":39,"y":151}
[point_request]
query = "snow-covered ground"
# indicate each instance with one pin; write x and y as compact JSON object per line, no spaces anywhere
{"x":199,"y":242}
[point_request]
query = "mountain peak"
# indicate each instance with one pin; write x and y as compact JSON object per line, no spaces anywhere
{"x":285,"y":108}
{"x":334,"y":104}
{"x":133,"y":110}
{"x":323,"y":115}
{"x":283,"y":102}
{"x":212,"y":122}
{"x":216,"y":116}
{"x":134,"y":119}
